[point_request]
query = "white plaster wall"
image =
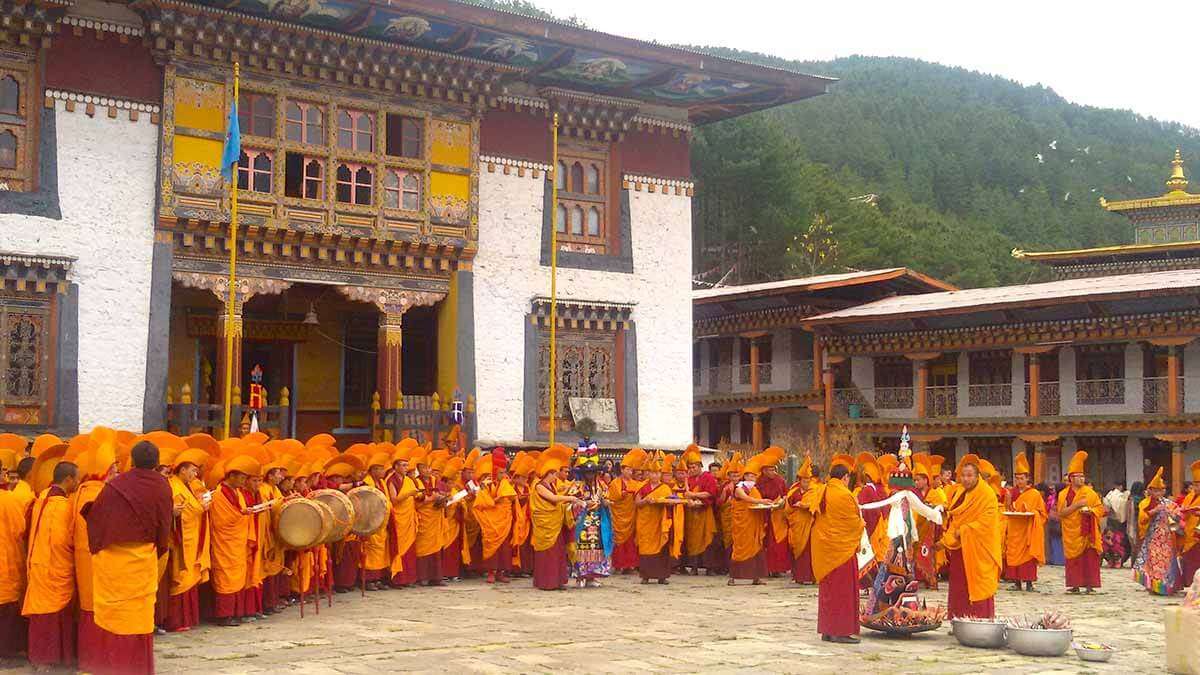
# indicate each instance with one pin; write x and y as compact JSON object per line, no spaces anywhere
{"x":106,"y":178}
{"x":1133,"y":460}
{"x":508,"y":275}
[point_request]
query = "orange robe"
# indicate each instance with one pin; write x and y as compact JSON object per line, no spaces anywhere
{"x":431,"y":526}
{"x":12,"y":548}
{"x":1190,"y":537}
{"x":375,"y":547}
{"x":188,"y":560}
{"x":725,"y":511}
{"x":800,"y":522}
{"x":548,"y":519}
{"x":85,"y":495}
{"x":837,"y":526}
{"x":930,"y":532}
{"x":749,"y":527}
{"x":270,"y":548}
{"x":622,"y":496}
{"x":125,"y":601}
{"x":24,"y":494}
{"x":653,"y":528}
{"x":1026,"y":535}
{"x":699,"y":523}
{"x":975,"y":530}
{"x":522,"y":525}
{"x":231,"y":536}
{"x":1074,"y":541}
{"x":493,"y":512}
{"x":50,"y":567}
{"x":403,"y":522}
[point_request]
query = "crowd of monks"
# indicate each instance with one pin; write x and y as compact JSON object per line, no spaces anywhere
{"x":112,"y":536}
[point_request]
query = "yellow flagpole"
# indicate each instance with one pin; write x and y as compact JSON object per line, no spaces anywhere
{"x":230,"y":326}
{"x":553,"y":277}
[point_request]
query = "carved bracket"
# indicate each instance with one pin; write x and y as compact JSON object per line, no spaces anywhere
{"x":218,"y":285}
{"x":391,"y":301}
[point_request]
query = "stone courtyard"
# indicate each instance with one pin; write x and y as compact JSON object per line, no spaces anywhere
{"x":695,"y":624}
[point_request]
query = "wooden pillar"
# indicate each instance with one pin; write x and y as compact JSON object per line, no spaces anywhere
{"x":827,"y":380}
{"x":816,"y":363}
{"x":1176,"y":467}
{"x":757,"y":433}
{"x":390,"y":342}
{"x":1039,"y":459}
{"x":754,"y":366}
{"x":1173,"y":384}
{"x":1035,"y":382}
{"x":922,"y":387}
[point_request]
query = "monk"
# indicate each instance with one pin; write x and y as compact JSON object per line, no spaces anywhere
{"x":927,"y":560}
{"x":702,"y":548}
{"x":523,"y":464}
{"x":453,"y":553}
{"x":51,"y":573}
{"x":376,"y":561}
{"x":431,"y":512}
{"x":548,"y":511}
{"x":189,"y":561}
{"x":1080,"y":511}
{"x":654,"y":526}
{"x":270,"y":548}
{"x":493,"y":511}
{"x":800,"y":522}
{"x":21,"y":488}
{"x":232,"y":526}
{"x":96,"y":465}
{"x":129,"y":533}
{"x":1025,"y":539}
{"x":872,"y":490}
{"x":622,"y":492}
{"x":836,"y":532}
{"x":732,"y":476}
{"x":773,"y":488}
{"x":12,"y":561}
{"x":748,"y":560}
{"x":1189,"y":540}
{"x":973,"y":545}
{"x":402,"y":490}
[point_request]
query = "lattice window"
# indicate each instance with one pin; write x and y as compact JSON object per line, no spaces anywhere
{"x":587,"y":368}
{"x":10,"y":95}
{"x":581,"y":217}
{"x":404,"y":136}
{"x":8,"y":150}
{"x":305,"y":123}
{"x":354,"y":184}
{"x":356,"y":130}
{"x":24,"y":339}
{"x":18,"y":146}
{"x":402,"y":190}
{"x":256,"y":114}
{"x":255,"y":170}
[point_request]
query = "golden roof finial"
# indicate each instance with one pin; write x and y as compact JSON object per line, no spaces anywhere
{"x":1178,"y":182}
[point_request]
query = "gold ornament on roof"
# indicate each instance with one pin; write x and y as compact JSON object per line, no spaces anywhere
{"x":1178,"y":182}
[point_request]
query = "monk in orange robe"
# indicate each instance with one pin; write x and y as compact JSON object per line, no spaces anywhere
{"x":129,"y":532}
{"x":21,"y":488}
{"x":1189,"y":539}
{"x":548,"y":511}
{"x":189,"y":561}
{"x":96,"y":465}
{"x":1025,"y":538}
{"x":655,"y":529}
{"x":731,"y":475}
{"x":453,"y":552}
{"x":401,"y":492}
{"x":973,"y":544}
{"x":622,"y":491}
{"x":1080,"y":510}
{"x":773,"y":487}
{"x":12,"y":561}
{"x":493,"y":512}
{"x":522,"y":465}
{"x":748,"y":560}
{"x":233,"y":531}
{"x":701,"y":546}
{"x":50,"y":572}
{"x":271,"y":560}
{"x":431,"y":516}
{"x":376,"y":559}
{"x":800,"y":521}
{"x":872,"y":490}
{"x":836,"y":532}
{"x":928,"y":559}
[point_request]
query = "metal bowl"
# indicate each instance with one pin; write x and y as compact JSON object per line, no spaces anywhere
{"x":1039,"y":642}
{"x":1090,"y":653}
{"x":985,"y":635}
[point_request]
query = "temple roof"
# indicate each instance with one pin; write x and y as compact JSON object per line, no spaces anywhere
{"x":1176,"y":194}
{"x":1187,"y":249}
{"x":902,"y":278}
{"x":551,"y":53}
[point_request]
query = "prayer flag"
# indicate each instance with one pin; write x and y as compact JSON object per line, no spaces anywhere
{"x":233,"y":143}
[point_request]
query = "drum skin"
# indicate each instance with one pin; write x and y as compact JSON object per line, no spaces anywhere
{"x":370,"y":510}
{"x":343,"y":512}
{"x":304,"y":523}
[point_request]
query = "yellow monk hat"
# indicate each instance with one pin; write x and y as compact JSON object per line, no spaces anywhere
{"x":653,"y":462}
{"x":420,"y":455}
{"x":483,"y":465}
{"x":841,"y":459}
{"x":736,"y":464}
{"x":203,"y":442}
{"x":42,"y":473}
{"x":76,"y":447}
{"x":553,"y":459}
{"x":195,"y":456}
{"x":341,"y":469}
{"x":805,"y":470}
{"x":935,"y":464}
{"x":453,"y":468}
{"x":1021,"y":465}
{"x":355,"y":462}
{"x":987,"y":469}
{"x":437,"y":459}
{"x":634,"y":458}
{"x":920,"y":467}
{"x":164,"y":439}
{"x":473,"y":457}
{"x":256,"y":437}
{"x":1157,"y":481}
{"x":8,"y":459}
{"x":1195,"y":471}
{"x":755,"y":464}
{"x":42,"y":442}
{"x":869,"y":467}
{"x":522,"y":464}
{"x":1078,"y":463}
{"x":360,"y":450}
{"x":166,"y":456}
{"x":403,"y":453}
{"x":692,"y":455}
{"x":244,"y":464}
{"x":321,"y":441}
{"x":887,"y":462}
{"x":969,"y":458}
{"x":773,"y":455}
{"x":10,"y":441}
{"x":383,"y":459}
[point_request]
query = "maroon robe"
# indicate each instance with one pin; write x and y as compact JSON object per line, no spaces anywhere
{"x":1083,"y":571}
{"x":779,"y":553}
{"x":1026,"y":571}
{"x":550,"y":571}
{"x":837,"y":601}
{"x":14,"y":635}
{"x":959,"y":599}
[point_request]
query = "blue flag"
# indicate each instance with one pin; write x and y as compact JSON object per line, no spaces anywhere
{"x":233,"y":144}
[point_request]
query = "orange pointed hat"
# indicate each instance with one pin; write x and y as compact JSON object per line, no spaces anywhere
{"x":11,"y":441}
{"x":553,"y":459}
{"x":8,"y":459}
{"x":634,"y":458}
{"x":869,"y":466}
{"x":805,"y":470}
{"x":42,"y":473}
{"x":1157,"y":481}
{"x":773,"y":455}
{"x":42,"y":442}
{"x":1021,"y":465}
{"x":920,"y":466}
{"x":692,"y":455}
{"x":887,"y":463}
{"x":969,"y":458}
{"x":935,"y":465}
{"x":1195,"y":467}
{"x":1078,"y":463}
{"x":842,"y":459}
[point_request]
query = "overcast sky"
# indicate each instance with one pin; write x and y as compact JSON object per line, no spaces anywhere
{"x":1127,"y":55}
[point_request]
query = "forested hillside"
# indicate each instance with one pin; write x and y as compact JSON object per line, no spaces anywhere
{"x":912,"y":163}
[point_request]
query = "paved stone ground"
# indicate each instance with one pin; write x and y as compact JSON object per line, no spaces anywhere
{"x":694,"y":624}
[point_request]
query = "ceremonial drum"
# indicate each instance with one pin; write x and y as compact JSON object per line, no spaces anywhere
{"x":370,"y":510}
{"x":343,"y":512}
{"x":304,"y":523}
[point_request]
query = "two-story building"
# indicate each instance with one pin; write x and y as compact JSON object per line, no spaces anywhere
{"x":1103,"y":358}
{"x":394,"y":231}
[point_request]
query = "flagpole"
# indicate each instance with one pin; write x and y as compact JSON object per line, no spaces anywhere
{"x":554,"y":277}
{"x":230,"y":326}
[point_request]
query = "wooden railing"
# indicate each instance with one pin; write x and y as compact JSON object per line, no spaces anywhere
{"x":426,"y":418}
{"x":188,"y":417}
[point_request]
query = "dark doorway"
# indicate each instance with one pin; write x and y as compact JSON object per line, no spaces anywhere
{"x":418,"y":364}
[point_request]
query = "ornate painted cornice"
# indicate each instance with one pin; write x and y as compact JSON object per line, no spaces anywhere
{"x":33,"y":273}
{"x":1049,"y":425}
{"x":508,"y":165}
{"x":582,"y":314}
{"x":90,"y":104}
{"x":80,"y":23}
{"x":660,"y":185}
{"x":776,"y":317}
{"x":30,"y":25}
{"x":391,"y":301}
{"x":218,"y":285}
{"x":739,"y":401}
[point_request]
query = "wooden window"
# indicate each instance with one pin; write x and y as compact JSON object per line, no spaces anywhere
{"x":18,"y":116}
{"x":354,"y":184}
{"x":305,"y":123}
{"x":587,"y":368}
{"x":356,"y":130}
{"x":764,"y":360}
{"x":8,"y":150}
{"x":1100,"y":362}
{"x":254,"y":170}
{"x":256,"y":114}
{"x":402,"y":190}
{"x":403,"y":136}
{"x":990,"y":367}
{"x":314,"y":178}
{"x":303,"y":176}
{"x":25,"y":367}
{"x":893,"y":372}
{"x":10,"y":95}
{"x":582,"y":216}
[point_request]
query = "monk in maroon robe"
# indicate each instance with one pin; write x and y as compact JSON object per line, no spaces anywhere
{"x":772,"y":486}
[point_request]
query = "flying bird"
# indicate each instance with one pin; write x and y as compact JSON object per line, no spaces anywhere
{"x":1040,"y":159}
{"x":1066,"y":196}
{"x":1054,"y":144}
